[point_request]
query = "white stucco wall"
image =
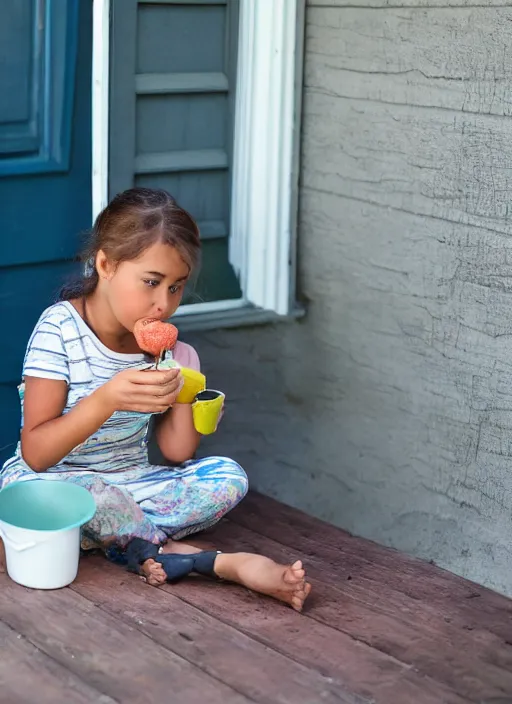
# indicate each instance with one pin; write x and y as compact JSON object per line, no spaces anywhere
{"x":388,"y":410}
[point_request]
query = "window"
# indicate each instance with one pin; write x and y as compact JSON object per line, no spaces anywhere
{"x":242,"y":169}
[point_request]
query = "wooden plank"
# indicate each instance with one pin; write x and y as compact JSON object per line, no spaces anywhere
{"x":187,"y":160}
{"x":364,"y":670}
{"x":348,"y":55}
{"x":157,"y":83}
{"x":28,"y":676}
{"x":383,"y":569}
{"x":477,"y":665}
{"x":247,"y":666}
{"x":114,"y":658}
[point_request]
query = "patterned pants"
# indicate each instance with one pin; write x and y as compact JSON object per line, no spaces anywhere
{"x":150,"y":502}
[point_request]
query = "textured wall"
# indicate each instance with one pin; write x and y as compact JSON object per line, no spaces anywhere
{"x":388,"y":410}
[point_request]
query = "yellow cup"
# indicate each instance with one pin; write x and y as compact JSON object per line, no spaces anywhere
{"x":207,"y":411}
{"x":194,"y":383}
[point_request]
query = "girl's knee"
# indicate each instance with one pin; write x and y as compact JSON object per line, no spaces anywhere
{"x":234,"y":476}
{"x":118,"y":518}
{"x":105,"y":494}
{"x":243,"y":479}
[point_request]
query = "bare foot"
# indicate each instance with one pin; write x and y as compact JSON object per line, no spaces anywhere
{"x":284,"y":582}
{"x":153,"y":573}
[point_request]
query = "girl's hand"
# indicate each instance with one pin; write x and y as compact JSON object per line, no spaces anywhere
{"x":142,"y":391}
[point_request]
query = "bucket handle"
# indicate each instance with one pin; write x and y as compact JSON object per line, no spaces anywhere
{"x":19,"y":547}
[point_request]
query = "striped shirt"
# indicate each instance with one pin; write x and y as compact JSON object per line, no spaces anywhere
{"x":63,"y":348}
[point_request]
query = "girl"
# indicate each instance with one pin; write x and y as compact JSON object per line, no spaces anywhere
{"x":87,"y":400}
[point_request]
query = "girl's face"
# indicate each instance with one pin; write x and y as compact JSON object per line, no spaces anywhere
{"x":151,"y":286}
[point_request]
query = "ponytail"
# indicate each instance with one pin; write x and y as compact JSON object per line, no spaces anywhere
{"x":80,"y":287}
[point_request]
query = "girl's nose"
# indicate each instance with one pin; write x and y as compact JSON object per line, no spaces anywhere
{"x":161,"y":304}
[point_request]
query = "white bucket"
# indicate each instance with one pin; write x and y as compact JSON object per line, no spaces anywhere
{"x":40,"y":525}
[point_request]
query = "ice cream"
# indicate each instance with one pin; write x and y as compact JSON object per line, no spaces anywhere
{"x":155,"y":336}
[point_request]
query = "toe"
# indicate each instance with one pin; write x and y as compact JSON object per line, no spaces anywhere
{"x":297,"y":603}
{"x":156,"y":578}
{"x":293,"y":576}
{"x":153,"y":573}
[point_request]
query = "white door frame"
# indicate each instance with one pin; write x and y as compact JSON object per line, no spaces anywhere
{"x":100,"y":105}
{"x":265,"y":169}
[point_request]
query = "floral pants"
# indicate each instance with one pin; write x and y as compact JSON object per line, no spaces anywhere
{"x":150,"y":502}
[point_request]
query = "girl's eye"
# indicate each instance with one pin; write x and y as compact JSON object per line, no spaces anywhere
{"x":154,"y":282}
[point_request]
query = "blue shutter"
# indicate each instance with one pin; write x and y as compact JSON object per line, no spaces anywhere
{"x":171,"y":115}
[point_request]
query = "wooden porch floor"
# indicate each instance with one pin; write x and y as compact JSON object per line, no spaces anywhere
{"x":379,"y":627}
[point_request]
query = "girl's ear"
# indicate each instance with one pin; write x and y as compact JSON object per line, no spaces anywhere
{"x":104,"y":266}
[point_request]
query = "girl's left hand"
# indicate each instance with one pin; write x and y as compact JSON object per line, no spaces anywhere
{"x":142,"y":391}
{"x":173,"y":388}
{"x":179,"y":382}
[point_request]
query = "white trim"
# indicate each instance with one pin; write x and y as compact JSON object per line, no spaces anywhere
{"x":262,"y":188}
{"x":190,"y":309}
{"x":100,"y":106}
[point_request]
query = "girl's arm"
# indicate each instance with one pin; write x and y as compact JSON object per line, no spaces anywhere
{"x":47,"y":435}
{"x":176,"y":435}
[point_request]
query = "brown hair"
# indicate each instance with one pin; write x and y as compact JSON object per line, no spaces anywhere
{"x":133,"y":221}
